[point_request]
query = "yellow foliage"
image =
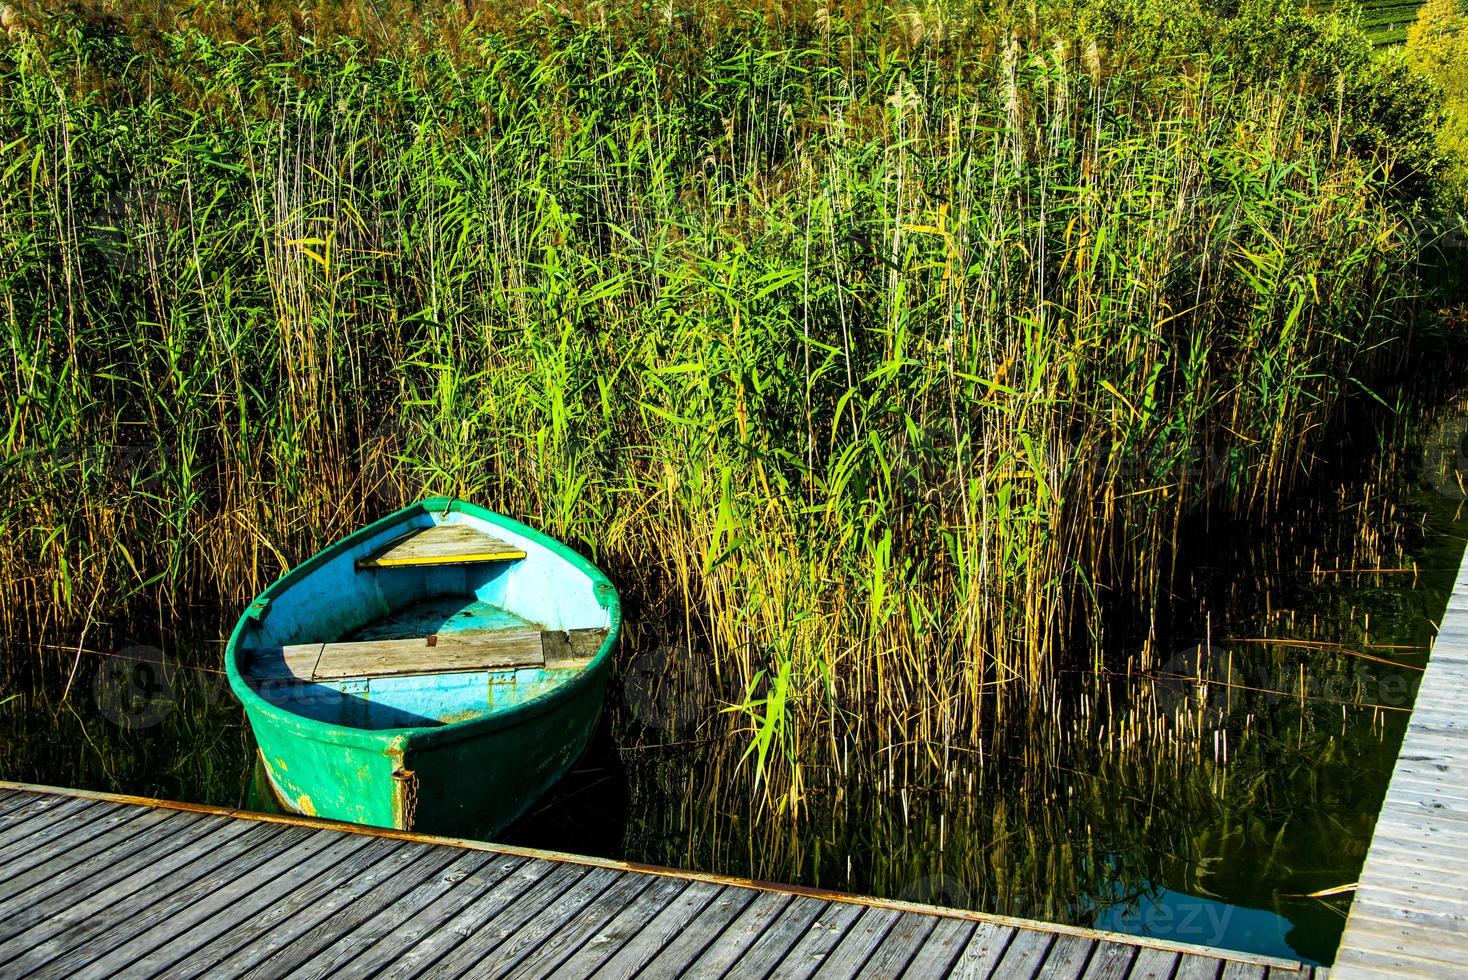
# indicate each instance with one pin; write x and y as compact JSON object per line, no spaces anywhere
{"x":1437,"y":44}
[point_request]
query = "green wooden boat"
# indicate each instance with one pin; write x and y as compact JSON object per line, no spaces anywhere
{"x":437,"y":671}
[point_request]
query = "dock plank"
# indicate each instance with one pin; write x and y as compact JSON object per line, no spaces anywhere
{"x":595,"y":897}
{"x":726,"y":929}
{"x":760,"y":957}
{"x":1153,"y":964}
{"x":25,"y":870}
{"x":670,"y":921}
{"x":848,"y":956}
{"x":936,"y":957}
{"x":476,"y":935}
{"x":985,"y":948}
{"x":1110,"y":961}
{"x":614,"y":918}
{"x":146,"y":924}
{"x":908,"y":936}
{"x":146,"y":884}
{"x":131,"y":888}
{"x":212,"y":909}
{"x":825,"y":932}
{"x":470,"y":876}
{"x":1026,"y":951}
{"x":426,"y":862}
{"x":109,"y":876}
{"x":294,"y":913}
{"x":298,"y":938}
{"x":39,"y":826}
{"x":1409,"y":915}
{"x":1068,"y":958}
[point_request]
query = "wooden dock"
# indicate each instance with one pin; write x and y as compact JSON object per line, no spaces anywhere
{"x":95,"y":885}
{"x":1410,"y":914}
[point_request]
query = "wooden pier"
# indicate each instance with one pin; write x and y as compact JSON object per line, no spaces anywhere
{"x":95,"y":885}
{"x":1410,"y":914}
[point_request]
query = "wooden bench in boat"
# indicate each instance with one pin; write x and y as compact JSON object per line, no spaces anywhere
{"x":447,"y":653}
{"x":442,"y":544}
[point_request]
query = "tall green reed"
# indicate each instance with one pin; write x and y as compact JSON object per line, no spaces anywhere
{"x":873,"y":368}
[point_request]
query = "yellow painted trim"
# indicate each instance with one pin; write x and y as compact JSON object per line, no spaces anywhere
{"x":898,"y":905}
{"x":440,"y":560}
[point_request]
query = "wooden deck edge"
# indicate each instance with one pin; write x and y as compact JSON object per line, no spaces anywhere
{"x":897,"y":905}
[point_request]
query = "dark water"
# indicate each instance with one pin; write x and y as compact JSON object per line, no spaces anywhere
{"x":1225,"y":798}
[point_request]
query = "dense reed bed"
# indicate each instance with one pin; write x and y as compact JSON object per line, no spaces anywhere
{"x":875,"y":356}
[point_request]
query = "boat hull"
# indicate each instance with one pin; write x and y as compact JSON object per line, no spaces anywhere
{"x":408,"y":756}
{"x":473,"y":785}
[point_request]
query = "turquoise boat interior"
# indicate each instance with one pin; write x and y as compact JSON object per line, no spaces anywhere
{"x":438,"y":618}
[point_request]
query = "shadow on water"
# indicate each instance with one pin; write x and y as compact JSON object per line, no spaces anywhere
{"x":1225,"y":797}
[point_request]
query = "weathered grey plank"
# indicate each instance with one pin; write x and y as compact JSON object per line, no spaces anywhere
{"x":554,"y":917}
{"x":644,"y":944}
{"x":475,"y":932}
{"x":619,"y":910}
{"x":214,"y":909}
{"x":294,"y":912}
{"x":1026,"y":952}
{"x":1068,"y":957}
{"x":784,"y":931}
{"x":936,"y":957}
{"x":24,"y":870}
{"x":1153,"y":964}
{"x":985,"y":948}
{"x":325,"y":932}
{"x":831,"y":924}
{"x":169,"y":911}
{"x":426,"y":909}
{"x":850,"y":954}
{"x":146,"y":884}
{"x":109,"y":874}
{"x":1198,"y":968}
{"x":908,"y":935}
{"x":1243,"y":971}
{"x":349,"y":943}
{"x":44,"y":825}
{"x":11,"y":800}
{"x":306,"y":929}
{"x":1110,"y":961}
{"x":721,"y":934}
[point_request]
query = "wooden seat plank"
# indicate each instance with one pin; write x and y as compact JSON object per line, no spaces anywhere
{"x":442,"y":544}
{"x":446,"y":653}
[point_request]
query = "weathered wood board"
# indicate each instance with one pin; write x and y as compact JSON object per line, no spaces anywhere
{"x":443,"y":544}
{"x":149,"y":889}
{"x":1409,"y":917}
